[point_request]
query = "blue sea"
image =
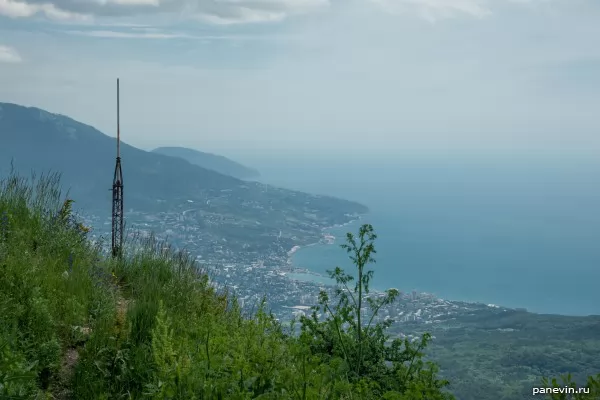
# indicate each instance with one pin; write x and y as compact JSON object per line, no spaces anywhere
{"x":517,"y":234}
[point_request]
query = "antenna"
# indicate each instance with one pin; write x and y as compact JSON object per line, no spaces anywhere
{"x":118,"y":124}
{"x":117,"y":194}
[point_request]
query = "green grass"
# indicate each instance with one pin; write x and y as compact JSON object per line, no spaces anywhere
{"x":76,"y":324}
{"x":49,"y":294}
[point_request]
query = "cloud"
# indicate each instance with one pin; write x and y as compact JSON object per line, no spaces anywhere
{"x":505,"y":83}
{"x":215,"y":11}
{"x":158,"y":34}
{"x":133,"y":35}
{"x":22,"y":9}
{"x":242,"y":11}
{"x":437,"y":9}
{"x":433,"y":10}
{"x":9,"y":55}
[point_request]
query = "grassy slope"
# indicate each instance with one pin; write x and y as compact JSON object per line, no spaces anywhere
{"x":76,"y":324}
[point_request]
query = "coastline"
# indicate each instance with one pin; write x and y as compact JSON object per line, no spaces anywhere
{"x":326,"y":239}
{"x":316,"y":278}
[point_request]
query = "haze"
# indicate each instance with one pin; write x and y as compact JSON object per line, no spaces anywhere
{"x":379,"y":77}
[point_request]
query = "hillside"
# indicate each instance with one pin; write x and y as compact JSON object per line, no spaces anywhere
{"x":210,"y":161}
{"x":500,"y":354}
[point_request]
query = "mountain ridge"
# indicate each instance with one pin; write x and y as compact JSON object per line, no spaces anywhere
{"x":210,"y":161}
{"x":20,"y":128}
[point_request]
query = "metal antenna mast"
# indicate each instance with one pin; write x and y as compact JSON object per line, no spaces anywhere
{"x":117,"y":194}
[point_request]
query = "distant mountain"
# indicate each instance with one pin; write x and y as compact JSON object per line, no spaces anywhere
{"x":37,"y":140}
{"x":210,"y":161}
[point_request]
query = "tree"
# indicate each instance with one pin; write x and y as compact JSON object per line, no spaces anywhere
{"x":374,"y":364}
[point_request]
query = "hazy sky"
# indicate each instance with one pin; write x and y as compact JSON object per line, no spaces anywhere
{"x":372,"y":76}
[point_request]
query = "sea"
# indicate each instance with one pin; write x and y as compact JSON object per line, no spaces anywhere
{"x":515,"y":233}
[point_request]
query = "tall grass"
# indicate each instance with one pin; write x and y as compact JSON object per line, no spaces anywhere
{"x":76,"y":324}
{"x":47,"y":286}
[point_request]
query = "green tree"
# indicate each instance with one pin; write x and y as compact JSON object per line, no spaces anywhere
{"x":341,"y":328}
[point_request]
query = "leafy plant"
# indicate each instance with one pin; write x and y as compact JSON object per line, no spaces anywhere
{"x":374,"y":364}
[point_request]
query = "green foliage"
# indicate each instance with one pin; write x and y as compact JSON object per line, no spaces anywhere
{"x":374,"y":365}
{"x":496,"y":354}
{"x":17,"y":381}
{"x":75,"y":323}
{"x":46,"y":289}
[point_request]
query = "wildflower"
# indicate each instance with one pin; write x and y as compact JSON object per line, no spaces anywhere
{"x":83,"y":228}
{"x":66,"y":210}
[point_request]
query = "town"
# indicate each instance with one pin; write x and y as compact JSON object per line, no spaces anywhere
{"x":254,"y":273}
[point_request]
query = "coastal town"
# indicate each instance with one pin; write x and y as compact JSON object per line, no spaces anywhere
{"x":268,"y":273}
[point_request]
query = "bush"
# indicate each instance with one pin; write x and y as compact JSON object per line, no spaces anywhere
{"x":371,"y":367}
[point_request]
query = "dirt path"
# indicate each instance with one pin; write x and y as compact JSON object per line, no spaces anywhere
{"x":62,"y":389}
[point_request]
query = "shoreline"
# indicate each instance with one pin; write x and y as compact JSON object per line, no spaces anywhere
{"x":329,"y":240}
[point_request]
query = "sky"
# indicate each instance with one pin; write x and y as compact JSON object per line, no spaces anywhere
{"x":292,"y":77}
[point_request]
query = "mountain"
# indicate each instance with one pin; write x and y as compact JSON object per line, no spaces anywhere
{"x":229,"y":209}
{"x":210,"y":161}
{"x":38,"y":140}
